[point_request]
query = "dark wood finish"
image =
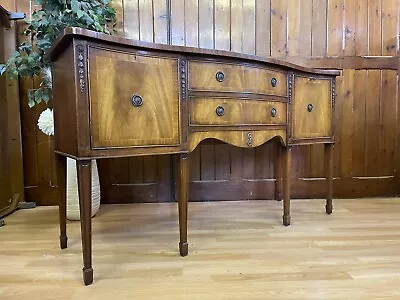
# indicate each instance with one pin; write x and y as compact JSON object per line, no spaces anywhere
{"x":329,"y":177}
{"x":320,"y":34}
{"x":61,"y":169}
{"x":287,"y":158}
{"x":84,"y":171}
{"x":279,"y":175}
{"x":204,"y":111}
{"x":122,"y":78}
{"x":131,"y":100}
{"x":223,"y":77}
{"x":183,"y":195}
{"x":11,"y":169}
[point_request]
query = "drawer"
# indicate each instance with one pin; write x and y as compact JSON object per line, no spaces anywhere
{"x":244,"y":139}
{"x":134,"y":99}
{"x":210,"y":76}
{"x":312,"y":108}
{"x":221,"y":111}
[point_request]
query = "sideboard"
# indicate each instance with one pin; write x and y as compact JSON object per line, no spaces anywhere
{"x":116,"y":97}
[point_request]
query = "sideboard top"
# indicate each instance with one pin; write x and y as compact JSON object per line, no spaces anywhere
{"x":75,"y":32}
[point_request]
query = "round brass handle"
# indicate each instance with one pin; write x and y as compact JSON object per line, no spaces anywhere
{"x":137,"y":100}
{"x":273,"y":112}
{"x":274,"y":81}
{"x":219,"y":76}
{"x":219,"y":111}
{"x":310,"y":107}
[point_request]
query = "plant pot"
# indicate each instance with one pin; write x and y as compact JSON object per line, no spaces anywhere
{"x":73,"y":211}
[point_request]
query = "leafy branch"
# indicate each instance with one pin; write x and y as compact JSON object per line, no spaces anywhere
{"x":43,"y":28}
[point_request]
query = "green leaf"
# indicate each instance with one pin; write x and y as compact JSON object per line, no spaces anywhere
{"x":31,"y":101}
{"x":79,"y":13}
{"x":2,"y":69}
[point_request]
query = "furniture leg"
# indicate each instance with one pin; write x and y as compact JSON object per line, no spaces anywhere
{"x":183,"y":190}
{"x":287,"y":156}
{"x":85,"y":203}
{"x":61,"y":171}
{"x":329,"y":177}
{"x":278,"y":175}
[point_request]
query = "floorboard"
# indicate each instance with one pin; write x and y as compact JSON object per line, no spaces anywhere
{"x":237,"y":250}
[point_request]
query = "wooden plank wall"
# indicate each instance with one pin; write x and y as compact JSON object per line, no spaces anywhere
{"x":360,"y":36}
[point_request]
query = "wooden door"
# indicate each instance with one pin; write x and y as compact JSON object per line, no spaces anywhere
{"x":11,"y":174}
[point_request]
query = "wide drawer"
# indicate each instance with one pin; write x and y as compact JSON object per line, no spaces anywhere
{"x":221,"y":111}
{"x":224,"y":77}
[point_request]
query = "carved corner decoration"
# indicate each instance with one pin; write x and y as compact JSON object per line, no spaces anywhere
{"x":81,"y":67}
{"x":183,"y":78}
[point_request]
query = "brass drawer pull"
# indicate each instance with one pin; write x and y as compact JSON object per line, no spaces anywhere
{"x":219,"y":76}
{"x":219,"y":111}
{"x":274,"y":81}
{"x":310,"y":107}
{"x":273,"y":112}
{"x":137,"y":100}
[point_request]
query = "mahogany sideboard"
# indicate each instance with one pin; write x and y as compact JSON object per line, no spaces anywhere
{"x":116,"y":97}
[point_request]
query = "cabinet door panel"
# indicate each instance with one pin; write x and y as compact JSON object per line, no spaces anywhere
{"x":134,"y":99}
{"x":312,"y":108}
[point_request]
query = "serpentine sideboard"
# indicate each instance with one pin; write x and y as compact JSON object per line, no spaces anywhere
{"x":116,"y":97}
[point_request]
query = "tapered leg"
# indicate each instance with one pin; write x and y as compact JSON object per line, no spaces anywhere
{"x":183,"y":193}
{"x":329,"y":177}
{"x":85,"y":206}
{"x":61,"y":170}
{"x":287,"y":157}
{"x":278,"y":175}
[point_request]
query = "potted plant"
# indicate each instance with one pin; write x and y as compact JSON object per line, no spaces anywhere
{"x":28,"y":61}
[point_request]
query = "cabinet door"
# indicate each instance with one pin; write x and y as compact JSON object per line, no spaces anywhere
{"x":312,"y":108}
{"x":134,"y":99}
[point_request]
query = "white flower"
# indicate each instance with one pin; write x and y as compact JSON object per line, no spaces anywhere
{"x":46,"y":122}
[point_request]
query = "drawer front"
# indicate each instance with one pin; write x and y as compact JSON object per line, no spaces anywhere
{"x":134,"y":100}
{"x":244,"y":139}
{"x":312,"y":108}
{"x":210,"y":76}
{"x":214,"y":111}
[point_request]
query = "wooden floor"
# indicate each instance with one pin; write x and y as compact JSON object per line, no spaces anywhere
{"x":237,"y":250}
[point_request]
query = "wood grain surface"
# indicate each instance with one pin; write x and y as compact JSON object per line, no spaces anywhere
{"x":239,"y":250}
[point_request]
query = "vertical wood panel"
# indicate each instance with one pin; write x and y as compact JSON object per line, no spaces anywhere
{"x":146,"y":20}
{"x":236,"y":25}
{"x":375,"y":27}
{"x":360,"y":95}
{"x":361,"y":34}
{"x":160,"y":21}
{"x":222,"y":24}
{"x":319,"y":24}
{"x":191,"y":23}
{"x":263,"y":28}
{"x":249,"y":27}
{"x":293,"y":25}
{"x":131,"y":19}
{"x":387,"y":134}
{"x":178,"y":22}
{"x":346,"y":152}
{"x":118,"y":5}
{"x":349,"y":28}
{"x":335,"y":25}
{"x":206,"y":24}
{"x":390,"y":27}
{"x":372,"y":123}
{"x":279,"y":27}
